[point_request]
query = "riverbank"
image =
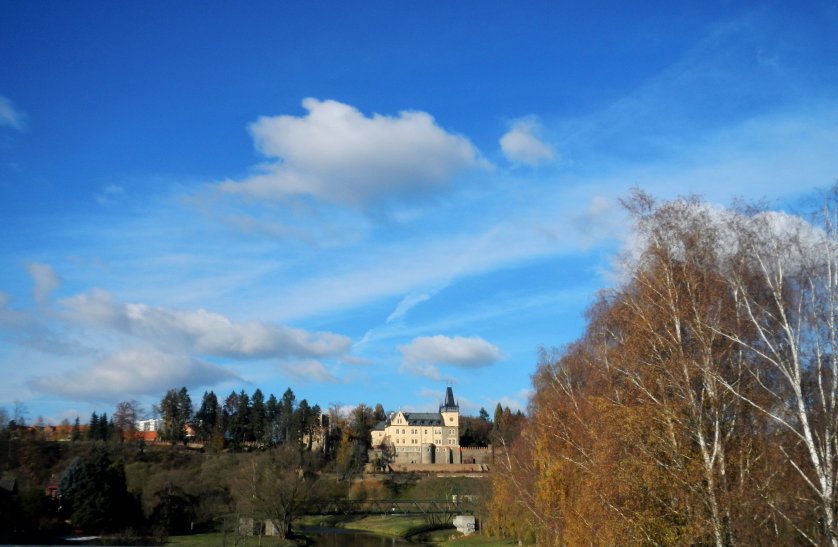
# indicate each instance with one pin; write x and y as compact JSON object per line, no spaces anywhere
{"x":218,"y":539}
{"x":409,"y":527}
{"x":406,"y":527}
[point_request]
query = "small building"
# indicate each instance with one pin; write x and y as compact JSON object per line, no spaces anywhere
{"x":148,"y":430}
{"x":465,"y":524}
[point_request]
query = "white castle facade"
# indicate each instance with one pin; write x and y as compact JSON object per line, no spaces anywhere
{"x":422,"y":437}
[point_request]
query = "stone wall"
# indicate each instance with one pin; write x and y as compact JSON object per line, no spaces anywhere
{"x":478,"y":454}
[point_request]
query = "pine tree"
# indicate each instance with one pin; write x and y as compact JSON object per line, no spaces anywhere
{"x":207,"y":417}
{"x":93,"y":427}
{"x":76,"y":434}
{"x":258,"y":416}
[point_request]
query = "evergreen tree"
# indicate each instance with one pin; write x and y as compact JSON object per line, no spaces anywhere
{"x":231,"y":405}
{"x":94,"y":495}
{"x":287,"y":427}
{"x":176,"y":411}
{"x":207,"y":417}
{"x":307,"y":421}
{"x":105,"y":428}
{"x":76,"y":432}
{"x":258,"y":416}
{"x":240,"y":421}
{"x":378,"y":414}
{"x":93,"y":427}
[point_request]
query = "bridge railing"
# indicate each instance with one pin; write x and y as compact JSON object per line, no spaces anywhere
{"x":390,"y":507}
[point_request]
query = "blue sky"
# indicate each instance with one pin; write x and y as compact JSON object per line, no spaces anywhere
{"x":365,"y":201}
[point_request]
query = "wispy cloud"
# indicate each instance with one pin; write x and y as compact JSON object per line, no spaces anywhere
{"x":311,"y":370}
{"x":45,"y":281}
{"x":10,"y":116}
{"x":406,"y":304}
{"x":110,"y":194}
{"x":202,"y":331}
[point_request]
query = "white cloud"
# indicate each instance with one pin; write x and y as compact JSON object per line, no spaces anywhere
{"x":517,"y":402}
{"x":425,"y":352}
{"x":600,"y":221}
{"x":45,"y":280}
{"x":337,"y":154}
{"x":141,"y":371}
{"x":312,"y":370}
{"x":11,"y":318}
{"x":406,"y":304}
{"x":203,"y":331}
{"x":387,"y":270}
{"x":522,"y":145}
{"x":271,"y":229}
{"x":11,"y":116}
{"x":426,"y":370}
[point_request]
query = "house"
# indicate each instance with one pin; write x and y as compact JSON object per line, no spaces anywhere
{"x":421,"y":437}
{"x":148,"y":430}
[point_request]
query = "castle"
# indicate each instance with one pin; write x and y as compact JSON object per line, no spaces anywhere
{"x":422,"y":437}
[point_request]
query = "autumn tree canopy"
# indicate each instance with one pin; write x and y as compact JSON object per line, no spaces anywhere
{"x":699,"y":406}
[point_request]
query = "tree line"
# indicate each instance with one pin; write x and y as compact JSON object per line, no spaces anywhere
{"x":240,"y":419}
{"x":251,"y":457}
{"x":699,"y":406}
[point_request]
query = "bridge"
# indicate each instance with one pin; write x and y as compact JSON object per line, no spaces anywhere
{"x":461,"y":505}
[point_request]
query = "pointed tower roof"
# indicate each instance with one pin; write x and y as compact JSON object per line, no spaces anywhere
{"x":449,"y":397}
{"x":450,"y":405}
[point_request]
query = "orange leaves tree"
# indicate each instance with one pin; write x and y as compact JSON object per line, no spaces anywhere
{"x":700,"y":404}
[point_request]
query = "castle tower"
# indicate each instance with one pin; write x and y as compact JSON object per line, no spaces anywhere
{"x":450,"y":410}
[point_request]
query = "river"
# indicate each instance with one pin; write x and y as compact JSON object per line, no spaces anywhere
{"x":338,"y":537}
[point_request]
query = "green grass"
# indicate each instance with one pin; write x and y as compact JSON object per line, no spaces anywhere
{"x":388,"y":525}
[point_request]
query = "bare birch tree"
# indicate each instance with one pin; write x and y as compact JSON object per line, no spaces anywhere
{"x":785,"y":282}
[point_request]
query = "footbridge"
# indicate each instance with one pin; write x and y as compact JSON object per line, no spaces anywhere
{"x":457,"y":506}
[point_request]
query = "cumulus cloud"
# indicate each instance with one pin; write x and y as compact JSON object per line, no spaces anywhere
{"x":10,"y":116}
{"x":45,"y":280}
{"x":522,"y":145}
{"x":142,"y":371}
{"x":203,"y":331}
{"x":422,"y":355}
{"x":337,"y":154}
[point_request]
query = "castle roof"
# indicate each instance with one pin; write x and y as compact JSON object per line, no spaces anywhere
{"x":449,"y":397}
{"x":450,"y":405}
{"x":423,"y":418}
